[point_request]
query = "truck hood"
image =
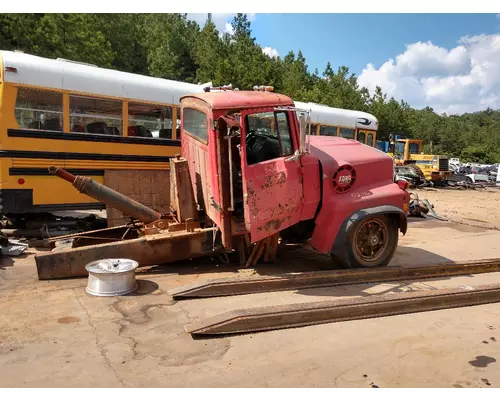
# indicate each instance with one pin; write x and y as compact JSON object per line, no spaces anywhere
{"x":372,"y":165}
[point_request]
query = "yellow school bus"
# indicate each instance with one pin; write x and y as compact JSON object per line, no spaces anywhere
{"x":349,"y":124}
{"x":83,"y":118}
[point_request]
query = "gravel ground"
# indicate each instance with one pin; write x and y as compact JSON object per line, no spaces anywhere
{"x":480,"y":207}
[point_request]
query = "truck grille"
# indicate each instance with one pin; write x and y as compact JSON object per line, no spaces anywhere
{"x":444,"y":164}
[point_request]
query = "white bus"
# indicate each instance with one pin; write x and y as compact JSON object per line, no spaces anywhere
{"x":87,"y":119}
{"x":349,"y":124}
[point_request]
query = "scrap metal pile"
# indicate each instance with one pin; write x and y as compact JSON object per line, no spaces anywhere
{"x":472,"y":176}
{"x":422,"y":208}
{"x":38,"y":228}
{"x":463,"y":176}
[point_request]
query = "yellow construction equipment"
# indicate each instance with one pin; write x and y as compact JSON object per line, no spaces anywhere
{"x":408,"y":152}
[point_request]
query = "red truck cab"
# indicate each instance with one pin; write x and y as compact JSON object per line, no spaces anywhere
{"x":254,"y":174}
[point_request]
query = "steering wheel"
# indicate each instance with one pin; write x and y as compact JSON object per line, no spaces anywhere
{"x":249,"y":135}
{"x":250,"y":138}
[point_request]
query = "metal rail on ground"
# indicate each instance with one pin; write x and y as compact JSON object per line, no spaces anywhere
{"x":307,"y":280}
{"x":299,"y":315}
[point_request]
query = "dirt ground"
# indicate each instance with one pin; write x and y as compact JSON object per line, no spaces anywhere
{"x":53,"y":334}
{"x":480,"y":207}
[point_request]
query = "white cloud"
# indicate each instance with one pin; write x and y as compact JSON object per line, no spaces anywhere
{"x":228,"y":28}
{"x":459,"y":80}
{"x":221,"y":20}
{"x":270,"y":52}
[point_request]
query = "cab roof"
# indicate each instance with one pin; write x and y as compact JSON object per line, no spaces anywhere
{"x":241,"y":99}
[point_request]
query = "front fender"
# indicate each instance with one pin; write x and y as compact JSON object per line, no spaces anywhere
{"x":339,"y":235}
{"x":350,"y":222}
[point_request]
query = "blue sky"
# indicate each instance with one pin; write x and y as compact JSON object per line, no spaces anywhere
{"x":355,"y":40}
{"x":450,"y":62}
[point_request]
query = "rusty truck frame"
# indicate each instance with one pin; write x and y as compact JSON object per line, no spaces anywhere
{"x":247,"y":175}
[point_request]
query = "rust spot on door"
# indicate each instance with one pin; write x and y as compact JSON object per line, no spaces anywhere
{"x":274,"y":180}
{"x":274,"y":225}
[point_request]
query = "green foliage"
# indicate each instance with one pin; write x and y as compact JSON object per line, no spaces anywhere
{"x":171,"y":46}
{"x":170,"y":41}
{"x":71,"y":36}
{"x":124,"y":35}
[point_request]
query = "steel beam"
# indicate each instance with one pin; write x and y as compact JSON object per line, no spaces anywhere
{"x":147,"y":250}
{"x":306,"y":280}
{"x":298,"y":315}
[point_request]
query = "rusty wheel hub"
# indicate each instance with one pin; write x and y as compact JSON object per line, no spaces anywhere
{"x":371,"y":240}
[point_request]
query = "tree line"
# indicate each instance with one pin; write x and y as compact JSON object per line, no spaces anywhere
{"x":173,"y":47}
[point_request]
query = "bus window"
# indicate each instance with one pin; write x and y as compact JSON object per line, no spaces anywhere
{"x":146,"y":120}
{"x":347,"y":133}
{"x":39,"y":109}
{"x":369,"y":140}
{"x":93,"y":115}
{"x":314,"y":129}
{"x":326,"y":130}
{"x":361,"y":137}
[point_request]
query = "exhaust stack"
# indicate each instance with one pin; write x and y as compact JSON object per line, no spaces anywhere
{"x":108,"y":196}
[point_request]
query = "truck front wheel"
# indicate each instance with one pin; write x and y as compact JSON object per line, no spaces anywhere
{"x":371,"y":243}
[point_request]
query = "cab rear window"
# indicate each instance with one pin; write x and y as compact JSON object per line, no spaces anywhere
{"x":195,"y":123}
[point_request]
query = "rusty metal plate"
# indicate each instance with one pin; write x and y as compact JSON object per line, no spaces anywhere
{"x":151,"y":188}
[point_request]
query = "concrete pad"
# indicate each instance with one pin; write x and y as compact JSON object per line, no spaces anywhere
{"x":53,"y":334}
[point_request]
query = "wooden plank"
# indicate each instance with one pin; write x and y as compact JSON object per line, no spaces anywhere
{"x":267,"y":252}
{"x":271,"y":248}
{"x":260,"y":252}
{"x":304,"y":314}
{"x":253,"y":254}
{"x":275,"y":243}
{"x":182,"y":196}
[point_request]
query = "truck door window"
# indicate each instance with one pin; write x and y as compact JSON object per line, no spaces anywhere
{"x":268,"y":136}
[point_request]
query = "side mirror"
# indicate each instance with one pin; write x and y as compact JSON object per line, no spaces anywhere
{"x":303,"y":133}
{"x":294,"y":157}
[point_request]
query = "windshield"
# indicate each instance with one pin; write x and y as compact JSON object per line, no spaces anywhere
{"x":400,"y":148}
{"x":262,"y":124}
{"x":414,"y":148}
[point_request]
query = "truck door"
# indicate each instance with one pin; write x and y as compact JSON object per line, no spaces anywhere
{"x":272,"y":178}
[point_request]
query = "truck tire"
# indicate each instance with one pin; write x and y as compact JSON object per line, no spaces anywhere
{"x":371,"y":243}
